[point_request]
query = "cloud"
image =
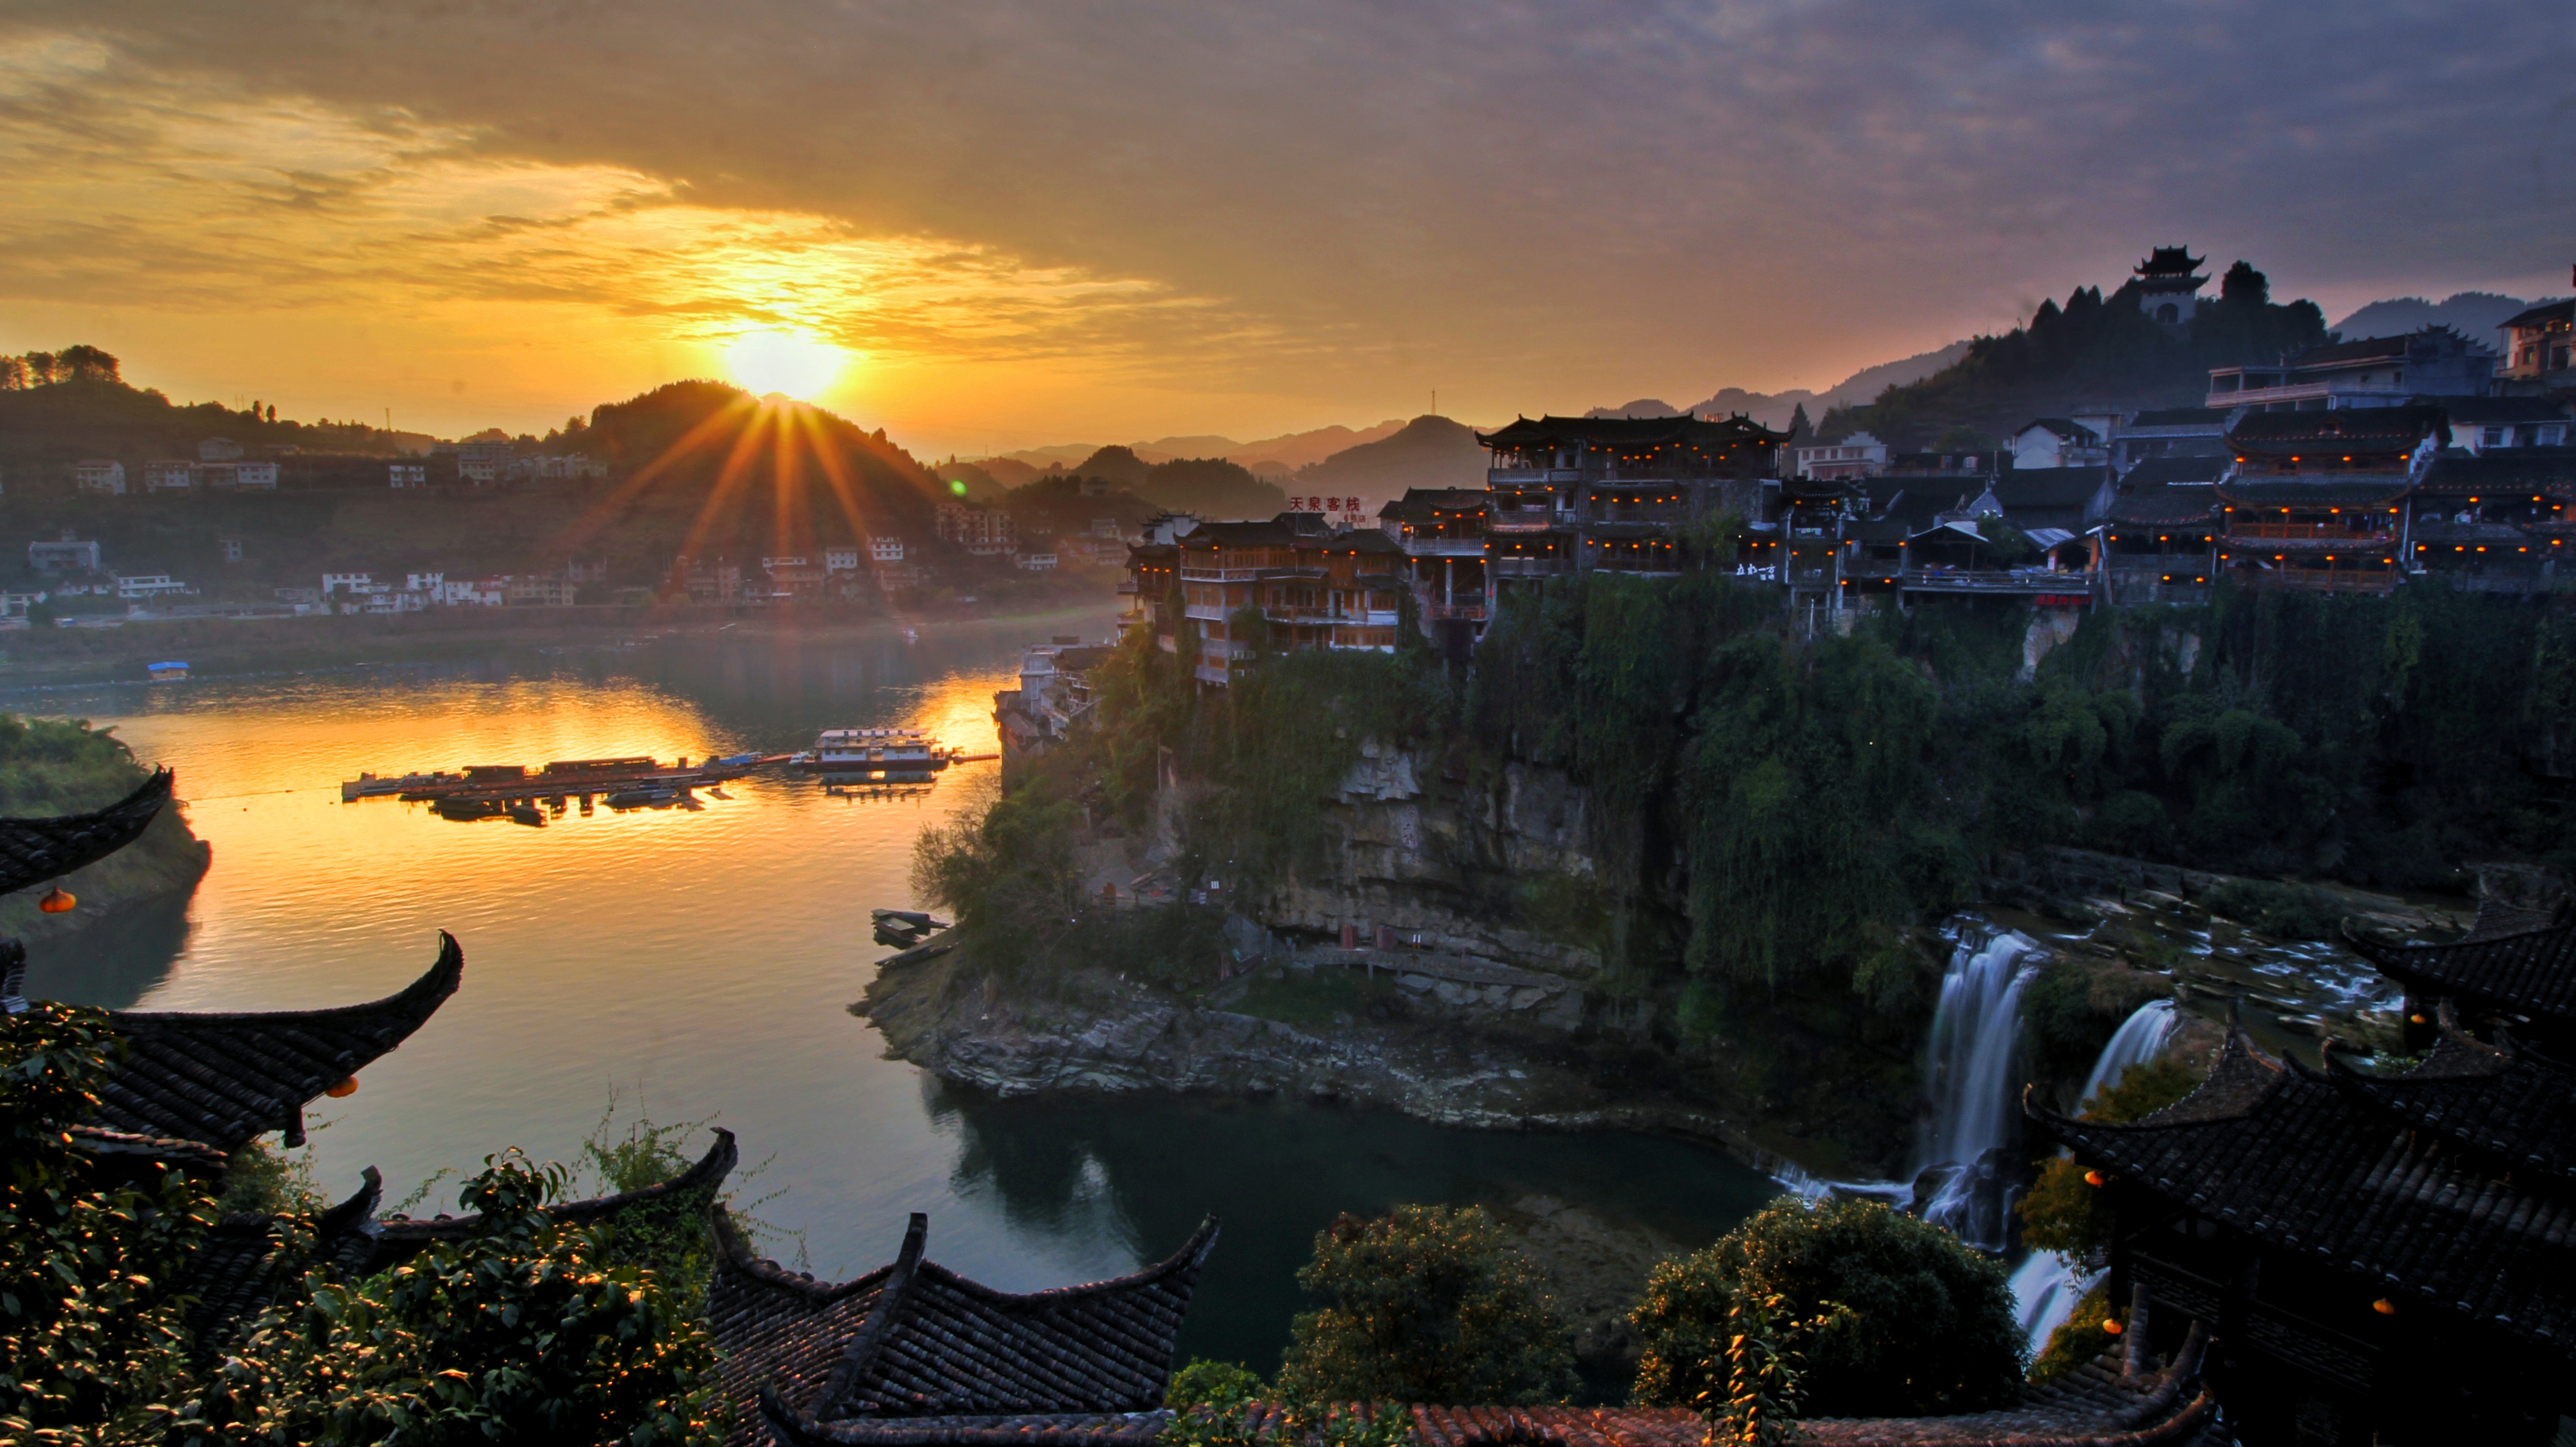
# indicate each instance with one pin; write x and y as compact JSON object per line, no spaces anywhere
{"x":1526,"y":202}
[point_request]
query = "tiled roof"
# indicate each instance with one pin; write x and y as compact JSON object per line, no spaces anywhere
{"x":2532,"y":973}
{"x":1040,"y":1429}
{"x":2366,"y":428}
{"x":35,"y":850}
{"x":2323,"y":491}
{"x":223,"y":1078}
{"x":2529,"y":470}
{"x":2062,"y":428}
{"x":2518,"y":1111}
{"x":2164,"y":471}
{"x":2368,"y":349}
{"x":1627,"y":431}
{"x":916,"y":1340}
{"x":1421,"y":502}
{"x":2551,"y":311}
{"x":2178,"y":507}
{"x":2288,"y":1158}
{"x":687,"y":1194}
{"x":2049,"y":487}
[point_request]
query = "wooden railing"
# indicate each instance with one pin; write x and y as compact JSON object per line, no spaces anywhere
{"x":2336,"y":532}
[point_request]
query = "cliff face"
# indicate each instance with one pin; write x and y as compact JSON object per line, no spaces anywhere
{"x":1459,"y":875}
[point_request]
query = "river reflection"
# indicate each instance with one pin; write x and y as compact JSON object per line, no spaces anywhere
{"x":698,"y":965}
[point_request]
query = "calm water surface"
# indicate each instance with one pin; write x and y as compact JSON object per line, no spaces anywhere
{"x":699,"y":965}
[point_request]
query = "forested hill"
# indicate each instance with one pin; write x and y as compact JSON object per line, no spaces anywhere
{"x":2091,"y":351}
{"x":59,"y":407}
{"x":1428,"y":452}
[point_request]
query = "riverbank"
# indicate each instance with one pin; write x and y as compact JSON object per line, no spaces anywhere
{"x":248,"y":648}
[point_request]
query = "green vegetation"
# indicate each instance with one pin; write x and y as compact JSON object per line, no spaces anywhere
{"x":2082,"y":1337}
{"x":1426,"y":1304}
{"x":525,"y":1331}
{"x":58,"y":766}
{"x":2071,"y":1011}
{"x":2091,"y":347}
{"x":1223,"y":1404}
{"x":1892,"y":1317}
{"x":2284,"y":911}
{"x":2063,"y":1213}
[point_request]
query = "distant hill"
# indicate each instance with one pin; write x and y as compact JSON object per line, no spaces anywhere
{"x":2091,"y":351}
{"x":1284,"y":453}
{"x":1120,"y":465}
{"x":980,"y":485}
{"x":1211,"y":487}
{"x":1774,"y":409}
{"x":2473,"y":314}
{"x":1426,"y":452}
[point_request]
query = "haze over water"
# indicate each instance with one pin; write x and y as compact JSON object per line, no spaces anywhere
{"x":700,"y":965}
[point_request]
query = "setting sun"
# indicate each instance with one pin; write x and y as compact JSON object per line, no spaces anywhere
{"x":801,"y":367}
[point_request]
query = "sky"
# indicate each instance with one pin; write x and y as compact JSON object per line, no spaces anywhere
{"x":1037,"y":223}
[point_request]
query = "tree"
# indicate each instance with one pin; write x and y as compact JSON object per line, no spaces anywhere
{"x":2244,"y":286}
{"x":1425,"y":1304}
{"x":1907,"y":1321}
{"x":2063,"y":1212}
{"x":86,"y":363}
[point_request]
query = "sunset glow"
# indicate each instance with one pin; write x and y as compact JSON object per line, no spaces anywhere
{"x":763,"y":363}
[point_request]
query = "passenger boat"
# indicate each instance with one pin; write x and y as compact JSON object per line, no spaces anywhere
{"x":875,"y":752}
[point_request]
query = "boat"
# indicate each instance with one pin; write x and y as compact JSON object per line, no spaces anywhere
{"x":875,"y":753}
{"x":649,"y":796}
{"x":467,"y":809}
{"x":560,"y":780}
{"x":527,"y":814}
{"x":166,"y":672}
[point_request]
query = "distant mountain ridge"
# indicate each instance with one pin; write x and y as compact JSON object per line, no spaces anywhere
{"x":2473,"y":314}
{"x":1282,"y":454}
{"x":1428,"y":451}
{"x":1773,"y":409}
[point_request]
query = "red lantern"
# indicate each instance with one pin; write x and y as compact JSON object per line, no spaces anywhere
{"x":56,"y":901}
{"x":343,"y":1090}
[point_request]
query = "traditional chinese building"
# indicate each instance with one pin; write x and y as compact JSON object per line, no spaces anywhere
{"x":1615,"y":494}
{"x":1286,"y":584}
{"x":2317,"y":500}
{"x":2167,"y":284}
{"x":1443,"y":536}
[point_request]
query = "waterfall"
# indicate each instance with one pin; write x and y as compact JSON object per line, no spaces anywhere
{"x":1976,"y":1086}
{"x":2043,"y":1287}
{"x":2140,"y":1038}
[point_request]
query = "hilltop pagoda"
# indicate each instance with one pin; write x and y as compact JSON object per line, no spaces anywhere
{"x":2168,"y":284}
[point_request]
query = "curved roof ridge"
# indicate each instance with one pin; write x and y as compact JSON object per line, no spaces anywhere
{"x":2241,"y":1079}
{"x":734,"y":1254}
{"x":708,"y":1170}
{"x":225,"y":1077}
{"x":35,"y":849}
{"x":1192,"y":1254}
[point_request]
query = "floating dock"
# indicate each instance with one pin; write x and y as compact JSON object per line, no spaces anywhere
{"x":562,"y":780}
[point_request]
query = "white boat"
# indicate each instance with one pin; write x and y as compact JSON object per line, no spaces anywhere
{"x":874,"y":751}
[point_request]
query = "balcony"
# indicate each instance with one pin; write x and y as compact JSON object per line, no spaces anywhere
{"x":1521,"y":519}
{"x":1127,"y":586}
{"x":1531,"y":476}
{"x":1455,"y":612}
{"x":1209,"y":673}
{"x":2320,"y":580}
{"x":1993,"y":580}
{"x":1206,"y":612}
{"x":1525,"y":567}
{"x":2303,"y":532}
{"x":1444,"y":547}
{"x":1663,"y":516}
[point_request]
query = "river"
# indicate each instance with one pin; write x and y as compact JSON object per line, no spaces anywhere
{"x":698,"y":966}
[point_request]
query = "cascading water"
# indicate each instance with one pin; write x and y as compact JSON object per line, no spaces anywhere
{"x":1976,"y":1095}
{"x":2043,"y":1287}
{"x":2140,"y":1038}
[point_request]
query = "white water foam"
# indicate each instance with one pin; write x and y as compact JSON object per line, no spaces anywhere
{"x":1974,"y":1070}
{"x":2140,"y":1038}
{"x":2043,"y":1287}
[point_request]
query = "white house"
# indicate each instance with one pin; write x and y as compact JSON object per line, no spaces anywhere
{"x":2485,"y":424}
{"x":255,"y":476}
{"x":131,"y":586}
{"x":1859,"y":455}
{"x":2059,"y":442}
{"x":218,"y":449}
{"x":840,"y":560}
{"x":65,"y":554}
{"x":407,"y":474}
{"x":346,"y":583}
{"x":490,"y":592}
{"x":98,"y":474}
{"x":885,"y":550}
{"x":169,"y":475}
{"x":1034,"y":562}
{"x":478,"y":472}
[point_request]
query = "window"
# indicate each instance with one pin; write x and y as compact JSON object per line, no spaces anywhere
{"x":2549,"y":436}
{"x":2491,"y":437}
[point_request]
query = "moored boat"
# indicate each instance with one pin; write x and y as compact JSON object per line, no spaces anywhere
{"x":875,"y":753}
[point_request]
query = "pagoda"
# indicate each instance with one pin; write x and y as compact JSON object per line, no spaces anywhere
{"x":2168,"y":284}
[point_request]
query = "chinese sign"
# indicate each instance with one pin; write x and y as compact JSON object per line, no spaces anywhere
{"x":1341,"y":511}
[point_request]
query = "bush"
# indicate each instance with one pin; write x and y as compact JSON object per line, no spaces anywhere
{"x":1425,"y":1304}
{"x":1906,"y":1320}
{"x":2072,"y":1010}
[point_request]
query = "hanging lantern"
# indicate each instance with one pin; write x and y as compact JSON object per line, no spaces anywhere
{"x":2384,"y":1307}
{"x":343,"y":1090}
{"x":2415,"y":1020}
{"x":2095,"y":1178}
{"x":2111,"y":1325}
{"x":56,"y":900}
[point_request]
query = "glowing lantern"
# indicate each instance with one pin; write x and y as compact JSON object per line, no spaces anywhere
{"x":56,"y":901}
{"x":2093,"y":1178}
{"x":2111,"y":1326}
{"x":2415,"y":1020}
{"x":344,"y":1089}
{"x":2384,"y":1307}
